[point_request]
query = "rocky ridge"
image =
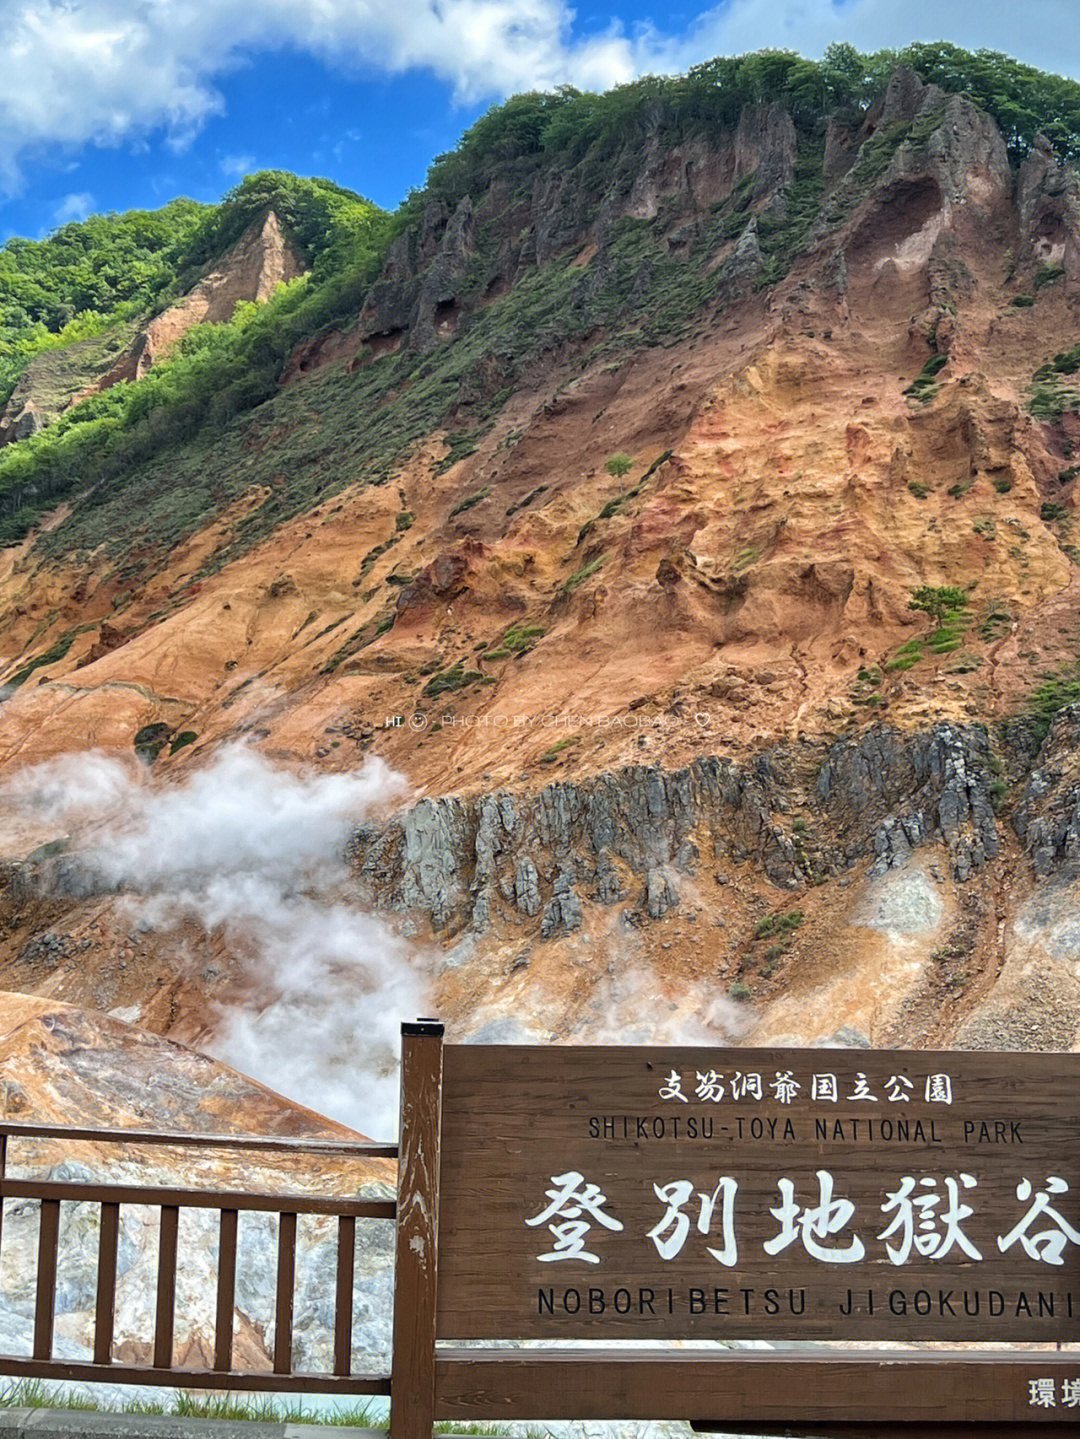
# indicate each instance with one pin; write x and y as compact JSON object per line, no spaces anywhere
{"x":253,"y":268}
{"x":880,"y":795}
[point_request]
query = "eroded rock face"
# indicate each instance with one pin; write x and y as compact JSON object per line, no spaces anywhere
{"x":428,"y":282}
{"x":787,"y":493}
{"x":1047,"y":818}
{"x":766,"y":148}
{"x":1048,"y":201}
{"x":949,"y":158}
{"x":880,"y":795}
{"x":55,"y":380}
{"x":260,"y":261}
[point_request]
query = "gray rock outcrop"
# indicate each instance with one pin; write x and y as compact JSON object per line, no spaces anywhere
{"x":881,"y":794}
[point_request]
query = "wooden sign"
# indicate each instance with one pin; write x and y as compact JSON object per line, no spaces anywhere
{"x":662,"y":1194}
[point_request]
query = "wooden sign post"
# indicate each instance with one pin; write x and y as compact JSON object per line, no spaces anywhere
{"x":706,"y":1195}
{"x":412,"y":1375}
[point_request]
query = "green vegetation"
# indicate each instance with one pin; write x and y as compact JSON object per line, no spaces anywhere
{"x":593,"y":130}
{"x":1056,"y":691}
{"x":549,"y":756}
{"x":1050,"y":512}
{"x":1049,"y":397}
{"x":738,"y":990}
{"x":150,"y":741}
{"x":619,"y":464}
{"x":878,"y":151}
{"x":517,"y":640}
{"x":945,"y":640}
{"x":267,"y":1409}
{"x":746,"y":559}
{"x":947,"y":606}
{"x":459,"y":444}
{"x":55,"y":652}
{"x":85,"y":277}
{"x":924,"y":387}
{"x":522,"y":504}
{"x":580,"y":576}
{"x":328,"y":224}
{"x":94,"y":274}
{"x":938,"y":601}
{"x":613,"y":506}
{"x":367,"y":564}
{"x":151,"y":462}
{"x":781,"y":927}
{"x":1047,"y":274}
{"x":1065,"y":362}
{"x":996,"y":622}
{"x":782,"y":239}
{"x":333,"y":430}
{"x":182,"y":740}
{"x":778,"y":924}
{"x":867,"y":687}
{"x":455,"y":678}
{"x":469,"y":501}
{"x":906,"y":657}
{"x":219,"y":370}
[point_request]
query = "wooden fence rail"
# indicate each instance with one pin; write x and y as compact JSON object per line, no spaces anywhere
{"x":170,"y":1201}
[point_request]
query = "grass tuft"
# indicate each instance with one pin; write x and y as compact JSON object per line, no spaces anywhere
{"x":580,"y":576}
{"x":778,"y":924}
{"x":469,"y":501}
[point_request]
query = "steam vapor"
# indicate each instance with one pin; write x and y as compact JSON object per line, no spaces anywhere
{"x":257,"y":854}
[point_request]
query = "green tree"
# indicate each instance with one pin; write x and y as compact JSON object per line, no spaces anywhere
{"x":938,"y":601}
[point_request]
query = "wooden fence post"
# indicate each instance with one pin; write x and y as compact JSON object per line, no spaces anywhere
{"x":412,"y":1376}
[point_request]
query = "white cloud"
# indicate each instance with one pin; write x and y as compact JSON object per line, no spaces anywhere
{"x":236,"y":166}
{"x":1041,"y":33}
{"x":74,"y":207}
{"x":106,"y":71}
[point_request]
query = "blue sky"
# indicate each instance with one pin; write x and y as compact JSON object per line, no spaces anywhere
{"x":111,"y":104}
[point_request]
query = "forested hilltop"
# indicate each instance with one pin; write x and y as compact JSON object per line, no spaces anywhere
{"x":90,"y":280}
{"x":569,"y":125}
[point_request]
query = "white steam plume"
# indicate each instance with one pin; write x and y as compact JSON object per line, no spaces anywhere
{"x":256,"y":853}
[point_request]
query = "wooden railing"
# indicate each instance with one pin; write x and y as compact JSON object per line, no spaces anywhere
{"x":170,"y":1201}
